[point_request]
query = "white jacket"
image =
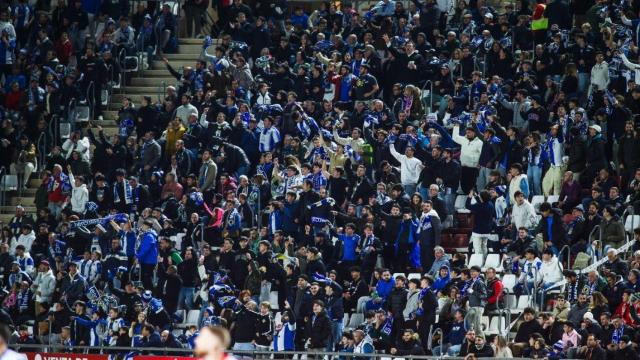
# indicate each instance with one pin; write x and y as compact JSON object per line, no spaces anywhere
{"x":600,"y":75}
{"x":551,"y":271}
{"x":524,"y":215}
{"x":25,"y":240}
{"x":81,"y":146}
{"x":45,"y":283}
{"x":79,"y":196}
{"x":470,"y":150}
{"x":410,"y":168}
{"x":631,"y":66}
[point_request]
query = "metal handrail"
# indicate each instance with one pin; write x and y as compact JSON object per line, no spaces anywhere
{"x":593,"y":231}
{"x":79,"y":349}
{"x":163,"y":86}
{"x":91,"y":99}
{"x":71,"y":108}
{"x":201,"y":227}
{"x":54,"y":129}
{"x":532,"y":299}
{"x":432,"y":334}
{"x":568,"y":249}
{"x":504,"y":330}
{"x":122,"y":54}
{"x":430,"y":94}
{"x":3,"y":194}
{"x":41,"y":147}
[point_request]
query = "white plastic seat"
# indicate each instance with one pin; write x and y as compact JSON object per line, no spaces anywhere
{"x":192,"y":318}
{"x":553,"y":199}
{"x":631,"y":223}
{"x":9,"y":183}
{"x":497,"y":325}
{"x":476,"y":260}
{"x":493,"y":261}
{"x":355,"y":320}
{"x":484,"y":322}
{"x":510,"y":301}
{"x":460,"y":204}
{"x":397,"y":274}
{"x":273,"y":300}
{"x":536,"y":200}
{"x":523,"y":302}
{"x":414,"y":276}
{"x":508,"y":282}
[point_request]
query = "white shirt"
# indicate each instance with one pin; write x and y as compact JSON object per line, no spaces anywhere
{"x":600,"y":75}
{"x":410,"y":168}
{"x":524,"y":215}
{"x":551,"y":271}
{"x":12,"y":355}
{"x":470,"y":149}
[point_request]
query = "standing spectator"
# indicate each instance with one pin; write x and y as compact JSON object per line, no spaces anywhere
{"x":147,"y":253}
{"x":469,"y":156}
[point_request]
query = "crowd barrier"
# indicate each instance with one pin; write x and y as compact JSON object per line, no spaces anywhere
{"x":44,"y":352}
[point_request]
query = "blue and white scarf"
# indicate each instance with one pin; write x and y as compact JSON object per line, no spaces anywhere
{"x":353,"y":155}
{"x":102,"y":221}
{"x":128,"y":197}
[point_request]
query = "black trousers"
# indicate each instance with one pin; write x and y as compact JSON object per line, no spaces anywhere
{"x":146,"y":273}
{"x":468,"y":176}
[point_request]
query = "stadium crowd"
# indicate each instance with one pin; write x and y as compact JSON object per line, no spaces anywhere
{"x":316,"y":167}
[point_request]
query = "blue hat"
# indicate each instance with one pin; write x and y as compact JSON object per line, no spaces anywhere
{"x":197,"y":198}
{"x":500,"y":189}
{"x":91,"y":206}
{"x":558,"y":345}
{"x":147,"y":296}
{"x":147,"y":17}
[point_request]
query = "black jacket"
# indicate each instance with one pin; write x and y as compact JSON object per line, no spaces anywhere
{"x":558,"y":231}
{"x":244,"y":328}
{"x":318,"y":330}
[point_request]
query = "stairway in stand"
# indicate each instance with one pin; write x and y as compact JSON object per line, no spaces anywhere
{"x":149,"y":84}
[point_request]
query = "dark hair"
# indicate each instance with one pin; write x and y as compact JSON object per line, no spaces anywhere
{"x":545,"y":206}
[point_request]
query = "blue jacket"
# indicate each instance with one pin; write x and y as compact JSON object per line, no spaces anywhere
{"x":147,"y":253}
{"x":289,"y":214}
{"x":349,"y":245}
{"x":484,"y":214}
{"x":384,"y":288}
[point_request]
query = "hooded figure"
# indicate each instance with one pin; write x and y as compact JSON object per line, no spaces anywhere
{"x":443,"y":279}
{"x":429,"y":229}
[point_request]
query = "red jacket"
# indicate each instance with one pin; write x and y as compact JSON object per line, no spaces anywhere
{"x":496,"y":291}
{"x":13,"y":99}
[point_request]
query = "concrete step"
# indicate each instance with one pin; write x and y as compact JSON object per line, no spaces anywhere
{"x":155,"y":73}
{"x":5,"y":218}
{"x":152,"y":81}
{"x":116,"y":99}
{"x":176,"y":64}
{"x":190,"y":41}
{"x":24,"y":200}
{"x":145,"y":90}
{"x":28,"y":192}
{"x":12,"y":209}
{"x":182,"y":56}
{"x":192,"y":48}
{"x":35,"y":183}
{"x":109,"y":131}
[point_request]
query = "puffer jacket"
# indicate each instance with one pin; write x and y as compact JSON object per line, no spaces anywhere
{"x":242,"y":74}
{"x":44,"y":286}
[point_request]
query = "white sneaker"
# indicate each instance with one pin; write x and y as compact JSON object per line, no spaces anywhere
{"x":100,"y":118}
